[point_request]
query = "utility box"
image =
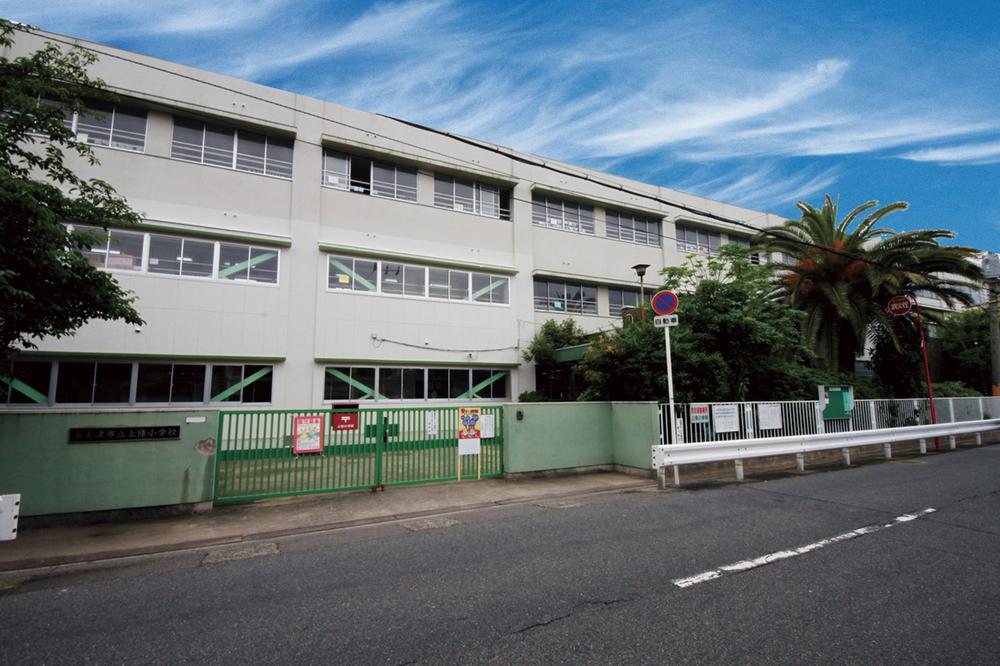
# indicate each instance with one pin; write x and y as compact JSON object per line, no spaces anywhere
{"x":10,"y":507}
{"x":837,"y":402}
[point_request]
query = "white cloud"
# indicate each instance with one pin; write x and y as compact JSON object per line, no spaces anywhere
{"x":765,"y":186}
{"x":972,"y":153}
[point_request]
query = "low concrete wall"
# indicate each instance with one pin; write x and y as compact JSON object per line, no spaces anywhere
{"x":54,"y":476}
{"x":571,"y":435}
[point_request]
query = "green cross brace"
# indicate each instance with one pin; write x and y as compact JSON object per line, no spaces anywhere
{"x":481,"y":385}
{"x":239,"y":385}
{"x":357,"y":278}
{"x":368,"y":392}
{"x":243,"y":265}
{"x":21,"y":387}
{"x":490,"y":287}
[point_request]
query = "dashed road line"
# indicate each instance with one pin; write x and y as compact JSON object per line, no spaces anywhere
{"x":763,"y":560}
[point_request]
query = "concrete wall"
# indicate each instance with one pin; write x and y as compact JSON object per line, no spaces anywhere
{"x":54,"y":476}
{"x":566,"y":435}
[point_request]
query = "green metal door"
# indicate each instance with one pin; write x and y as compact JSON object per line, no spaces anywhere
{"x":365,"y":448}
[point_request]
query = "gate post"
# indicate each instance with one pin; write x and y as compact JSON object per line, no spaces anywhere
{"x":379,"y":448}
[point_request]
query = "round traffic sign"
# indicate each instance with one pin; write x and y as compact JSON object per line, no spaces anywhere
{"x":664,"y":302}
{"x":899,"y":305}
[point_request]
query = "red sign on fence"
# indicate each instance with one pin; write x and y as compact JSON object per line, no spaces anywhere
{"x":345,"y":421}
{"x":899,"y":305}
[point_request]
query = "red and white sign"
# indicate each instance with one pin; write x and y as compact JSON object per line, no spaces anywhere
{"x":899,"y":305}
{"x":664,"y":302}
{"x":344,"y":420}
{"x":307,"y":434}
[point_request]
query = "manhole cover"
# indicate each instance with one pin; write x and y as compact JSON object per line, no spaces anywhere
{"x":435,"y":523}
{"x":241,"y":553}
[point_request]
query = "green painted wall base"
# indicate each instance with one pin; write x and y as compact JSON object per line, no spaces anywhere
{"x":55,"y":477}
{"x":569,"y":435}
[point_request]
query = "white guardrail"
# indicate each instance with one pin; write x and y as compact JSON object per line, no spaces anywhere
{"x":674,"y":455}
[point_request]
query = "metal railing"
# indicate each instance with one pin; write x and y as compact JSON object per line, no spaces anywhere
{"x":728,"y":421}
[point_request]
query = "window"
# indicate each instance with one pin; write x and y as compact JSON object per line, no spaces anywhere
{"x":176,"y":255}
{"x":566,"y":215}
{"x":697,"y":241}
{"x":744,"y":243}
{"x":619,"y":299}
{"x":393,"y":383}
{"x":565,"y":297}
{"x":243,"y":150}
{"x":125,"y":382}
{"x":471,"y":197}
{"x":632,"y":228}
{"x":26,"y":383}
{"x":108,"y":125}
{"x":390,"y":277}
{"x":366,"y":176}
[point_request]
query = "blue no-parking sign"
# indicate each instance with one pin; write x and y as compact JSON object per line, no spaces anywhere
{"x":664,"y":302}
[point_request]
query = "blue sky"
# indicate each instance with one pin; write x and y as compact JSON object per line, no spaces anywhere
{"x":758,"y":104}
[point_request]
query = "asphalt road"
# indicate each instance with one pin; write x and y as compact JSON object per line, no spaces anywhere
{"x":575,"y":581}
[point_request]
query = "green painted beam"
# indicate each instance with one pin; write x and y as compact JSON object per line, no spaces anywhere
{"x":238,"y":386}
{"x":483,"y":384}
{"x":357,"y":278}
{"x":26,"y":390}
{"x":250,"y":263}
{"x":417,"y":259}
{"x":568,"y":354}
{"x":488,"y":288}
{"x":367,"y":390}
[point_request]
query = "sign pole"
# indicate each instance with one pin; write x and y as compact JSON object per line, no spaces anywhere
{"x":927,"y":373}
{"x":670,"y":386}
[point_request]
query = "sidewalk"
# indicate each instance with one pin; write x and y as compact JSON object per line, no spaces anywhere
{"x":50,"y":546}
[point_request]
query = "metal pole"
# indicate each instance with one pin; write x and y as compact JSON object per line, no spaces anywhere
{"x":993,"y":294}
{"x":670,"y":386}
{"x":642,"y":300}
{"x":927,"y":373}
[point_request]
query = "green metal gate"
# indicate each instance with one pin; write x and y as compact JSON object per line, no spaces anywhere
{"x":361,"y":448}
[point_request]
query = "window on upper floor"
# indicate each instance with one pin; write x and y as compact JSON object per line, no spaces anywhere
{"x":364,"y":175}
{"x":697,"y":241}
{"x":106,"y":124}
{"x":632,"y":228}
{"x":129,"y":382}
{"x":471,"y":196}
{"x":405,"y":279}
{"x":232,"y":148}
{"x":164,"y":254}
{"x":560,"y":214}
{"x":567,"y":297}
{"x":619,"y":299}
{"x":745,"y":243}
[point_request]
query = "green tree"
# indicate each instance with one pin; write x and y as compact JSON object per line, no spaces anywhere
{"x":733,"y":342}
{"x":841,"y":277}
{"x":554,"y":381}
{"x":965,"y":348}
{"x":47,"y":286}
{"x":896,"y":359}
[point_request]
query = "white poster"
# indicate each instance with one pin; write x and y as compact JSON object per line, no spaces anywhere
{"x":486,"y":426}
{"x":469,"y":447}
{"x":769,"y":416}
{"x":432,"y":424}
{"x":725,"y":418}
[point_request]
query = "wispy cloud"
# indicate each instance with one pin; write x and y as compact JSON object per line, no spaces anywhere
{"x":766,"y":185}
{"x":971,"y":153}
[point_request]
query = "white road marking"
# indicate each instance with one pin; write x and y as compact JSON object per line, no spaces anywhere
{"x":747,"y":565}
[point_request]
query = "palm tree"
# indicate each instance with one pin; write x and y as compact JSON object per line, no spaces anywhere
{"x":841,"y":278}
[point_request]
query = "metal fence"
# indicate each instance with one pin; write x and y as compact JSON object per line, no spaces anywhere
{"x":725,"y":421}
{"x":360,"y":448}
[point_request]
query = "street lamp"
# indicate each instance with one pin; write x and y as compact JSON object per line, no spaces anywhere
{"x":640,"y":270}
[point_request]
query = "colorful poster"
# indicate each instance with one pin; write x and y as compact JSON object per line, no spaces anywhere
{"x":725,"y":418}
{"x":307,"y":434}
{"x":769,"y":416}
{"x":469,"y":429}
{"x":699,"y":414}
